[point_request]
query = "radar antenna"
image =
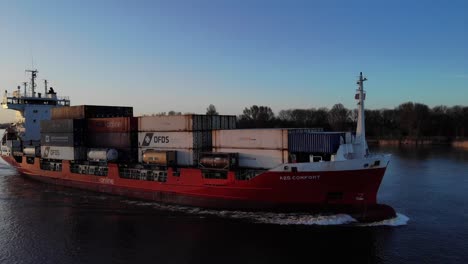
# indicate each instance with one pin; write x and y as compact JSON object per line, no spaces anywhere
{"x":45,"y":87}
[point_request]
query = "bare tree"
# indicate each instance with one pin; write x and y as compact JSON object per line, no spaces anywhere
{"x":257,"y":116}
{"x":211,"y":110}
{"x":174,"y":113}
{"x":338,"y":117}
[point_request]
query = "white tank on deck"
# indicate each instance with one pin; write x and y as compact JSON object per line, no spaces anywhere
{"x":32,"y":151}
{"x":103,"y":154}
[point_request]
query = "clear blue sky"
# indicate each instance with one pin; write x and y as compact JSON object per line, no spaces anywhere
{"x":183,"y":55}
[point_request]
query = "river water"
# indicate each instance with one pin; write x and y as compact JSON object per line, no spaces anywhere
{"x":428,"y":187}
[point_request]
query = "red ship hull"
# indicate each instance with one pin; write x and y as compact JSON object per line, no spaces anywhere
{"x":347,"y":191}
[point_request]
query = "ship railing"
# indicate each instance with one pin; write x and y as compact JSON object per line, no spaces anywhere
{"x":50,"y":166}
{"x":89,"y":169}
{"x":144,"y":175}
{"x":14,"y":98}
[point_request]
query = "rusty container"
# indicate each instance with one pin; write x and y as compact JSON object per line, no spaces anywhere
{"x":90,"y":111}
{"x":112,"y":125}
{"x":62,"y":126}
{"x":112,"y":140}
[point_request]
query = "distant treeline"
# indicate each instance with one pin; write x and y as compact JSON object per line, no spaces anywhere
{"x":408,"y":120}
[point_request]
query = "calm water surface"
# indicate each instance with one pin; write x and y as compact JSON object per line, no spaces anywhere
{"x":428,"y":187}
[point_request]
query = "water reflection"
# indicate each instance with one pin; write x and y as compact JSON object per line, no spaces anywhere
{"x":41,"y":223}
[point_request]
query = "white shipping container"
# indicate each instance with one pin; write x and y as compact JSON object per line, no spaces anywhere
{"x":174,"y":123}
{"x":177,"y":140}
{"x":268,"y":138}
{"x":258,"y":158}
{"x":185,"y":157}
{"x":63,"y":153}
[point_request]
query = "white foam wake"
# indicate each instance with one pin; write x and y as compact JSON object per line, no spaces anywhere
{"x":399,"y":220}
{"x":276,"y":218}
{"x":259,"y":217}
{"x":291,"y":219}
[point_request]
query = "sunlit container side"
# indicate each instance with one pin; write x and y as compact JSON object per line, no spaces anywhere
{"x":258,"y":158}
{"x":251,"y":138}
{"x":90,"y":111}
{"x":174,"y":123}
{"x":63,"y":126}
{"x":102,"y":155}
{"x":223,"y":122}
{"x":176,"y":140}
{"x":63,"y":153}
{"x":112,"y":140}
{"x":311,"y":142}
{"x":62,"y":139}
{"x":112,"y":125}
{"x":184,"y":157}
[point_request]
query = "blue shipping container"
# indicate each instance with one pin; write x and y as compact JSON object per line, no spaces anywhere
{"x":314,"y":142}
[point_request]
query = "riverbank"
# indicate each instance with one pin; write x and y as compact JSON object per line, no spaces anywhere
{"x":459,"y":143}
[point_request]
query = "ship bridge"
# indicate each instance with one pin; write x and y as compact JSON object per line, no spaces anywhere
{"x":17,"y":100}
{"x":32,"y":107}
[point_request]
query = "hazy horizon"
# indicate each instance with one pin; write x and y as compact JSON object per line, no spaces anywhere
{"x":182,"y":56}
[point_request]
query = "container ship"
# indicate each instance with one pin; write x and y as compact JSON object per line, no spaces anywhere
{"x":194,"y":160}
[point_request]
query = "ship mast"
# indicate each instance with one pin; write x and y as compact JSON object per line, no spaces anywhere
{"x":25,"y":84}
{"x":45,"y":88}
{"x":33,"y":81}
{"x":361,"y":125}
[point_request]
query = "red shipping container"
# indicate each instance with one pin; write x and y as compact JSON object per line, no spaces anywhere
{"x":112,"y":125}
{"x":112,"y":140}
{"x":90,"y":111}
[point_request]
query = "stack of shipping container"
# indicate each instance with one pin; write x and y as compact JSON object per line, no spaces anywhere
{"x":90,"y":111}
{"x":257,"y":148}
{"x":118,"y":133}
{"x":73,"y":130}
{"x":188,"y":135}
{"x":63,"y":139}
{"x":268,"y":148}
